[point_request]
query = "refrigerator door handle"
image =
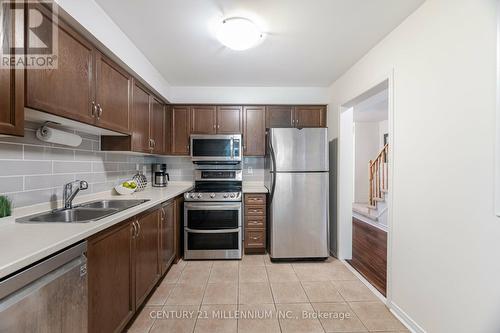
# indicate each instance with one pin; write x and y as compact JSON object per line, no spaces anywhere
{"x":273,"y":171}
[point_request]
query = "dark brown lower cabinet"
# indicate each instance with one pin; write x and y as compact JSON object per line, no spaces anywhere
{"x":255,"y":223}
{"x":110,"y":278}
{"x":167,"y":237}
{"x":126,"y":261}
{"x":147,"y":271}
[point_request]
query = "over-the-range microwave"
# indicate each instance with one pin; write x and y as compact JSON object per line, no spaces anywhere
{"x":216,"y":148}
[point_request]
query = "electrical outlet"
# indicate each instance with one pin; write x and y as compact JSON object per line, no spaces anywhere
{"x":250,"y":170}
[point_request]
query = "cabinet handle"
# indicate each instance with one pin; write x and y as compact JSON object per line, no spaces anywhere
{"x":296,"y":122}
{"x":94,"y":109}
{"x":99,"y":111}
{"x":134,"y":230}
{"x":138,"y":228}
{"x":214,"y":126}
{"x":218,"y":126}
{"x":255,"y":238}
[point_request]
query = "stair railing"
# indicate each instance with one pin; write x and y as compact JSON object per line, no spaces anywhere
{"x":378,"y":177}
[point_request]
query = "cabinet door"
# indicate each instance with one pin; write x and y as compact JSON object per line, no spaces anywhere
{"x":146,"y":255}
{"x":229,"y":120}
{"x":167,"y":250}
{"x":180,"y":130}
{"x":140,"y":119}
{"x":203,"y":120}
{"x":279,"y":116}
{"x":67,"y":91}
{"x":11,"y":85}
{"x":179,"y":227}
{"x":157,"y":125}
{"x":112,"y":95}
{"x":254,"y":131}
{"x":310,"y":116}
{"x":167,"y":135}
{"x":110,"y":279}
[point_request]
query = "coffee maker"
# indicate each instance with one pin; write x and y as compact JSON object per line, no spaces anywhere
{"x":159,"y":175}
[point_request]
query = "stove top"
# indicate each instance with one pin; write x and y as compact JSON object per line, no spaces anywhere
{"x":216,"y":185}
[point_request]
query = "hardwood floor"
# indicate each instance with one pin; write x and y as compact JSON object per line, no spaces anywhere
{"x":369,"y":253}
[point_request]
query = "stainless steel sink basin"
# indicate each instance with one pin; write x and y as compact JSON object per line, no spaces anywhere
{"x":74,"y":215}
{"x":87,"y":212}
{"x":115,"y":204}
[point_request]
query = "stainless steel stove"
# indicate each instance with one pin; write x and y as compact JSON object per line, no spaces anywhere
{"x":213,"y":213}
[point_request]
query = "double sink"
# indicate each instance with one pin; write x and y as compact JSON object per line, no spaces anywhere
{"x":84,"y":213}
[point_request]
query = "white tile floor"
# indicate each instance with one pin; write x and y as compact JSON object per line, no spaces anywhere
{"x":207,"y":296}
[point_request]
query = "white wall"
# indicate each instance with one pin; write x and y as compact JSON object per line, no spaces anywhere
{"x":366,"y":148}
{"x":445,"y":238}
{"x":252,"y":95}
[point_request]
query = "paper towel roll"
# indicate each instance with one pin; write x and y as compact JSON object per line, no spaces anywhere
{"x":53,"y":135}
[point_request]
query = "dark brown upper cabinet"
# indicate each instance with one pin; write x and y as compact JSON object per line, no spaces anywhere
{"x":203,"y":120}
{"x":181,"y":129}
{"x":86,"y":85}
{"x":11,"y":87}
{"x":279,"y":116}
{"x":112,"y":99}
{"x":295,"y":116}
{"x":157,"y":126}
{"x":229,"y":120}
{"x":67,"y":91}
{"x":254,"y":131}
{"x":167,"y":143}
{"x":310,"y":116}
{"x":140,"y":119}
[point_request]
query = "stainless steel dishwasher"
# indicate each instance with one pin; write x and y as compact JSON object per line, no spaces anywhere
{"x":50,"y":296}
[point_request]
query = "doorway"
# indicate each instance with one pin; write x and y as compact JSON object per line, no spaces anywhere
{"x":365,"y":183}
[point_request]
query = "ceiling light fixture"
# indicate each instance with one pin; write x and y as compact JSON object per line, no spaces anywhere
{"x":239,"y":33}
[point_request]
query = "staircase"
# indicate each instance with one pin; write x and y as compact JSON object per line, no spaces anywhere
{"x":376,"y":208}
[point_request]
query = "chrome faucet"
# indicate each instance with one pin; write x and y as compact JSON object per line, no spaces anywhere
{"x":69,"y":193}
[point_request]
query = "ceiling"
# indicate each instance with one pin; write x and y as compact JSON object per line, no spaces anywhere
{"x":307,"y":43}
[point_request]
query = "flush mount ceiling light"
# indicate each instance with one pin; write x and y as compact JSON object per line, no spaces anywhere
{"x":239,"y":33}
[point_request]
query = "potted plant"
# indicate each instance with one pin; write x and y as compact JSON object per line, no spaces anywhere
{"x":5,"y":206}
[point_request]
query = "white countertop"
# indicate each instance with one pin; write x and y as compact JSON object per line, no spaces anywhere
{"x":254,"y":187}
{"x":23,"y":244}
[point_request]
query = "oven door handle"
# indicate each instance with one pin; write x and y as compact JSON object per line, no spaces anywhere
{"x":209,"y":206}
{"x":218,"y":231}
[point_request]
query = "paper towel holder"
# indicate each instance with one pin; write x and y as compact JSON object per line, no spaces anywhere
{"x":44,"y":133}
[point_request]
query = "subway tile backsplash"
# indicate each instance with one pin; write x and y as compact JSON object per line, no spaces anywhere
{"x":33,"y":171}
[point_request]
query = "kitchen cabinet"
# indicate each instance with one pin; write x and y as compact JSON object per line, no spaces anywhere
{"x":181,"y":130}
{"x":112,"y":95}
{"x":203,"y":120}
{"x":110,"y":278}
{"x":296,"y":116}
{"x":229,"y":120}
{"x":310,"y":116}
{"x":11,"y":89}
{"x":86,"y":85}
{"x":254,"y":131}
{"x":140,"y":119}
{"x":167,"y":236}
{"x":146,"y":240}
{"x":179,"y":228}
{"x":279,"y":116}
{"x":68,"y":90}
{"x":216,"y":119}
{"x":157,"y":126}
{"x":255,"y":222}
{"x":167,"y":137}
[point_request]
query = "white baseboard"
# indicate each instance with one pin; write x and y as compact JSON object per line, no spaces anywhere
{"x":404,"y":318}
{"x":396,"y":310}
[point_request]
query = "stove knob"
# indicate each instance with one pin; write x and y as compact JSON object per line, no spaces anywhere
{"x":199,"y":195}
{"x":212,"y":195}
{"x":193,"y":195}
{"x":233,"y":195}
{"x":226,"y":195}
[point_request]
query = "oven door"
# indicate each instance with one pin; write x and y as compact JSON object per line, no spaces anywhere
{"x":216,"y":148}
{"x":212,"y":230}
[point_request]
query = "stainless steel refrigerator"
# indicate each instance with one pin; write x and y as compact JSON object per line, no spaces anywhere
{"x":297,"y":177}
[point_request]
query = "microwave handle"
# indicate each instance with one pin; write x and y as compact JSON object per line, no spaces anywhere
{"x":232,"y":148}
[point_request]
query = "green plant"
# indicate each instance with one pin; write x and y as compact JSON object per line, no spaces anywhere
{"x":5,"y":206}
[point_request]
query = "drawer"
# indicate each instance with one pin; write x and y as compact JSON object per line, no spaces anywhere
{"x":255,"y":210}
{"x":255,"y":199}
{"x":255,"y":238}
{"x":255,"y":222}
